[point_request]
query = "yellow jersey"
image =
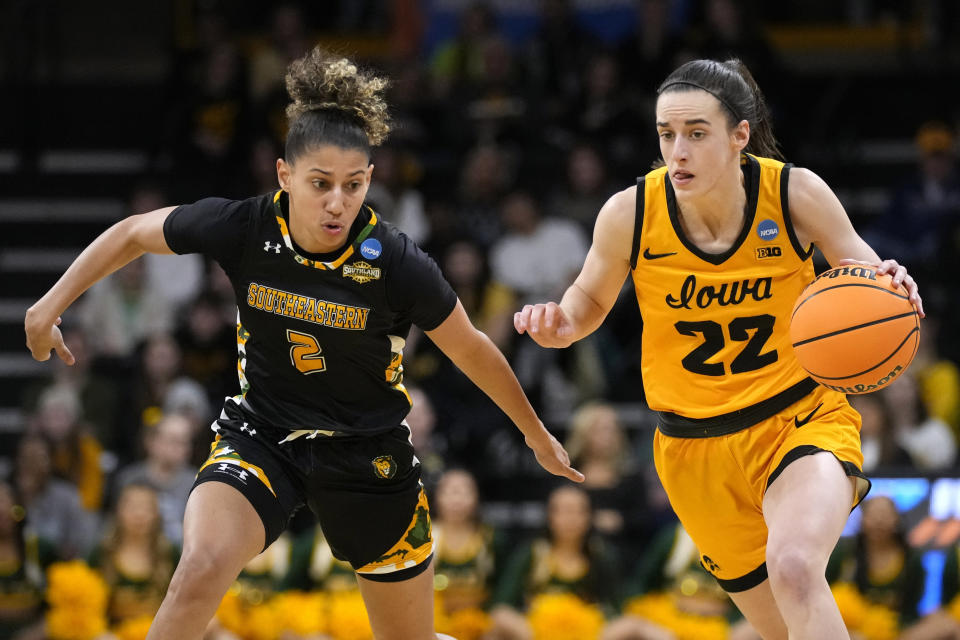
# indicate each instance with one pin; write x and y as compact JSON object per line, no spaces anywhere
{"x":715,"y":326}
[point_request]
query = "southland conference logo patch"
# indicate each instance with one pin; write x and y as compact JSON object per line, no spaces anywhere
{"x":384,"y":467}
{"x":361,"y":272}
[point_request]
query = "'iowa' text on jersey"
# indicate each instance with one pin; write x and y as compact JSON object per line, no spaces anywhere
{"x":726,"y":294}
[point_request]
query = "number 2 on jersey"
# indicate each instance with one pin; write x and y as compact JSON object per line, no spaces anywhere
{"x":750,"y":357}
{"x":305,"y":352}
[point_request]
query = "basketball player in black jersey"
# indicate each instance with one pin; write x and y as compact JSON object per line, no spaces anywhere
{"x":326,"y":293}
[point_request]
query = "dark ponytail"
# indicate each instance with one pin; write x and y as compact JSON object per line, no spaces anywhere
{"x":733,"y":85}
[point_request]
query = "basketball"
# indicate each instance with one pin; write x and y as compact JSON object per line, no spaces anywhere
{"x":852,"y":331}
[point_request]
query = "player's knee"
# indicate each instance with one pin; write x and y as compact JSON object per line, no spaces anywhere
{"x":792,"y":570}
{"x":202,"y":574}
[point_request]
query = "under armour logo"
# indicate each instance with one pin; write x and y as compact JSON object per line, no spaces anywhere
{"x":268,"y":246}
{"x":246,"y":427}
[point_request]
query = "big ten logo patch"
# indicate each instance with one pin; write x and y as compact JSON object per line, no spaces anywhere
{"x":773,"y":251}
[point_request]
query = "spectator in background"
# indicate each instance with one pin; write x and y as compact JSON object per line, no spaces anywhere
{"x":134,"y":557}
{"x":879,"y":444}
{"x":175,"y":281}
{"x":286,"y":41}
{"x":167,"y":468}
{"x":553,"y":57}
{"x":468,"y":552}
{"x":76,"y":455}
{"x":606,"y":111}
{"x":458,"y":62}
{"x":538,"y":257}
{"x":312,"y":565}
{"x":670,"y":579}
{"x":208,"y":129}
{"x":24,"y":557}
{"x":880,"y":563}
{"x":599,"y":448}
{"x":121,"y":310}
{"x":160,"y":387}
{"x":928,"y":199}
{"x":938,"y":376}
{"x":488,"y":302}
{"x":941,"y":623}
{"x":586,"y":189}
{"x":207,"y":342}
{"x":429,"y":445}
{"x":568,"y":559}
{"x":927,"y":439}
{"x":53,"y":505}
{"x":484,"y":181}
{"x":654,"y":48}
{"x":393,"y":193}
{"x":99,"y":401}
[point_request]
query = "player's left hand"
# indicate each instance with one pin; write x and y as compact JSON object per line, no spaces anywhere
{"x":553,"y":457}
{"x":900,"y":276}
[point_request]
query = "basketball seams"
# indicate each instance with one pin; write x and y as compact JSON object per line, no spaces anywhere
{"x":913,"y":331}
{"x":855,"y":327}
{"x":848,"y":284}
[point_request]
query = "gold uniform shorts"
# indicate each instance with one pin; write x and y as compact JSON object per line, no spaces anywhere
{"x":716,"y":483}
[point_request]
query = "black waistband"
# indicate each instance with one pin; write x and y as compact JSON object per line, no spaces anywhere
{"x":678,"y":426}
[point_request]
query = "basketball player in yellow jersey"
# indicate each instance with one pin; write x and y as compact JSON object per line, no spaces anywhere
{"x":761,"y":464}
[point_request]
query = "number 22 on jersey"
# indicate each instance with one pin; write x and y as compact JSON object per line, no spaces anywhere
{"x":750,"y":357}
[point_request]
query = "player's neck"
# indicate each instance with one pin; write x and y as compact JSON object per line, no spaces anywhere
{"x":715,"y":217}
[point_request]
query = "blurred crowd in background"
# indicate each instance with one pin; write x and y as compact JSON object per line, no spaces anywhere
{"x":509,"y":135}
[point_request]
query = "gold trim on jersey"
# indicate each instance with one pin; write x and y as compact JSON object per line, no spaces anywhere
{"x":223,"y":453}
{"x":414,"y":546}
{"x":332,"y":265}
{"x":242,"y":336}
{"x":394,"y":372}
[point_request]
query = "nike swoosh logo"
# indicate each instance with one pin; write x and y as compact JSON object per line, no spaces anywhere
{"x":654,"y":256}
{"x":797,"y":421}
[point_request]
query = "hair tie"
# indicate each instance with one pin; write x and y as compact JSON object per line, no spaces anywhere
{"x":702,"y":88}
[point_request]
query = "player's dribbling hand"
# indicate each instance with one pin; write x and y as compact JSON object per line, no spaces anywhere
{"x":546,"y":323}
{"x":899,"y":274}
{"x":553,"y":457}
{"x":44,"y":337}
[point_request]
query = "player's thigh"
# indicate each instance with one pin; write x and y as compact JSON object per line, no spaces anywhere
{"x":221,"y":533}
{"x":760,"y":609}
{"x":807,"y":506}
{"x":400,"y":610}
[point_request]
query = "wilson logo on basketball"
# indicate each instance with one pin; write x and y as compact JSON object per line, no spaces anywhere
{"x":853,"y":272}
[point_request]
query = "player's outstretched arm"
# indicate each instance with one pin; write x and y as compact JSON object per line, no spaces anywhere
{"x":124,"y":241}
{"x":480,"y":360}
{"x":588,"y":300}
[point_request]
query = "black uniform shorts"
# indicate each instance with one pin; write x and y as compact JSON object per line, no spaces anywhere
{"x":365,"y":490}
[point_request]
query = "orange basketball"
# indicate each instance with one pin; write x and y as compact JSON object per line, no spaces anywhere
{"x":852,"y":331}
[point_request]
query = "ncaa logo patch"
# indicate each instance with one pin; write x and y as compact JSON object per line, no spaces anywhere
{"x":768,"y":230}
{"x":384,"y":467}
{"x":371,"y":249}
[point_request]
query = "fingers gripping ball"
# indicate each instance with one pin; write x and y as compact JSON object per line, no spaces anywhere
{"x":852,"y":331}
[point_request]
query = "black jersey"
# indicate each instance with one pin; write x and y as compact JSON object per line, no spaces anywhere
{"x":320,"y":337}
